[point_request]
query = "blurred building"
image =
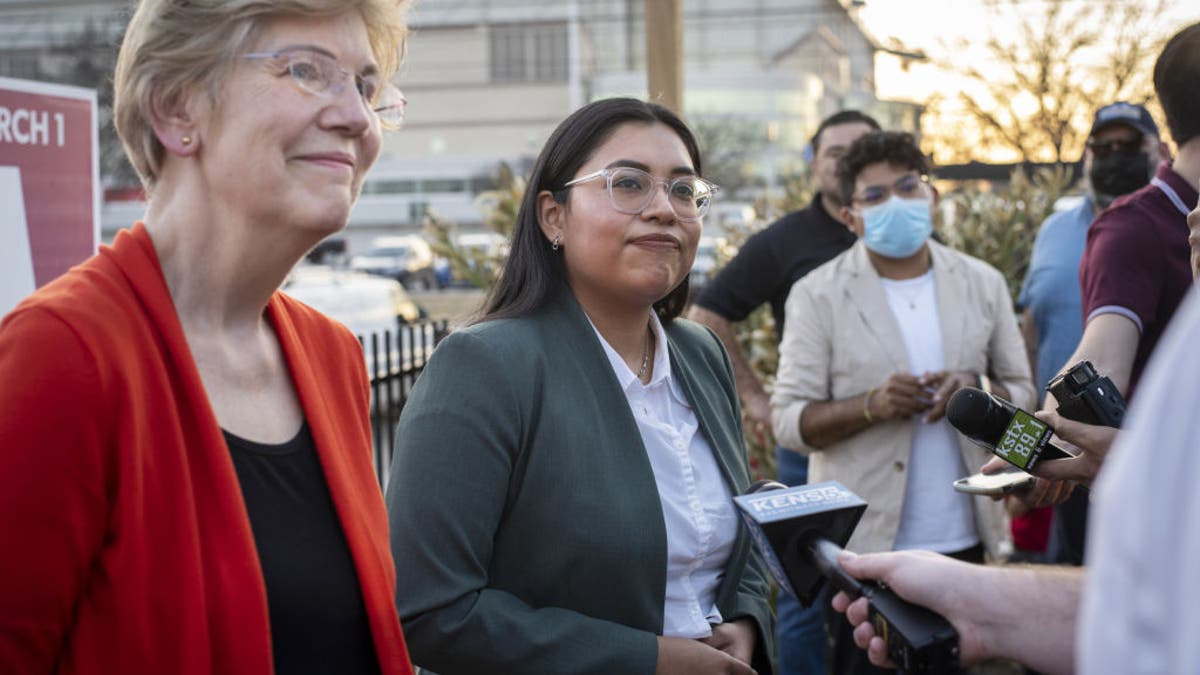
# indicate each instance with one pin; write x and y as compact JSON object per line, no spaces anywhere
{"x":487,"y":80}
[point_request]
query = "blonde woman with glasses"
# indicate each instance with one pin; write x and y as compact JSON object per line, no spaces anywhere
{"x":560,"y":495}
{"x":186,"y":483}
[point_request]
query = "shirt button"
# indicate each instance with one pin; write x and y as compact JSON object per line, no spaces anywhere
{"x":898,"y":465}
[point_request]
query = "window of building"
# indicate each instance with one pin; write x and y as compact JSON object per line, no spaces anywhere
{"x":443,"y":185}
{"x":529,"y":52}
{"x":389,"y":187}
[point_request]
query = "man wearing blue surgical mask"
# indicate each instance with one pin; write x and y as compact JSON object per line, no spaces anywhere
{"x":875,"y":343}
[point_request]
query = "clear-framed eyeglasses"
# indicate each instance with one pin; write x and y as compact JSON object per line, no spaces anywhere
{"x":631,"y":191}
{"x":322,"y":75}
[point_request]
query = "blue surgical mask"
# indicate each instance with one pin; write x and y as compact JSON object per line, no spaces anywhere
{"x":898,"y":227}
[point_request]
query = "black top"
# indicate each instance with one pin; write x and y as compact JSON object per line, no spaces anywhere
{"x":772,"y":260}
{"x":318,"y":620}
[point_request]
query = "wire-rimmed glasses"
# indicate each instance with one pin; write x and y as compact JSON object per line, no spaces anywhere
{"x":321,"y":74}
{"x":631,"y":191}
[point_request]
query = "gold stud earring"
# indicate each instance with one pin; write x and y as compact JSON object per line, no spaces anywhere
{"x":186,"y":140}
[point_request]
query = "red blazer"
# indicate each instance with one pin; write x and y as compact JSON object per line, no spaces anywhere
{"x":127,"y":548}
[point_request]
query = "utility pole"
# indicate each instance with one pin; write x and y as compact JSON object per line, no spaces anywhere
{"x":664,"y":53}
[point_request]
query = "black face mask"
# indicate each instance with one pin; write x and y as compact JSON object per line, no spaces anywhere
{"x":1118,"y":174}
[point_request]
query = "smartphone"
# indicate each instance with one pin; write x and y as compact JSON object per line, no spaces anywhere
{"x":1003,"y":483}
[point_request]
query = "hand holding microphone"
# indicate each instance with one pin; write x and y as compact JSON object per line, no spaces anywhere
{"x":1014,"y":436}
{"x":800,"y":532}
{"x":924,"y":578}
{"x":1090,"y":441}
{"x":1090,"y":407}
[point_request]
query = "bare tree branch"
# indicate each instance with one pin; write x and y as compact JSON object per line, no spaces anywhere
{"x":1045,"y":79}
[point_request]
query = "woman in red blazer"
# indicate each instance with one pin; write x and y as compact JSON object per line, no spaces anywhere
{"x":185,"y":470}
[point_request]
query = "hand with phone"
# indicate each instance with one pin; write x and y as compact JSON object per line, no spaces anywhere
{"x":900,"y":397}
{"x":1043,"y":492}
{"x":940,"y":386}
{"x":996,"y":484}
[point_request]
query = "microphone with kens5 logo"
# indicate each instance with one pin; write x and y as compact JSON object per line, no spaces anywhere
{"x":1009,"y":432}
{"x":800,"y":532}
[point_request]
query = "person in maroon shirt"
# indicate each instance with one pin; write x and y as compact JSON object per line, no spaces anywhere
{"x":1136,"y":267}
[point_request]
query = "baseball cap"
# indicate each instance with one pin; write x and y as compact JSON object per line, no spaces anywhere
{"x":1129,"y":114}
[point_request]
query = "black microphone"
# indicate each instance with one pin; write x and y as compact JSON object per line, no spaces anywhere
{"x":801,"y":531}
{"x":1009,"y":432}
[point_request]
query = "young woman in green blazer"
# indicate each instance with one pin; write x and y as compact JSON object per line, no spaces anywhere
{"x":560,"y":495}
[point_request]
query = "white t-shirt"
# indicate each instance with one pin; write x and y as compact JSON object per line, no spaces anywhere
{"x":935,"y":517}
{"x":1143,"y":546}
{"x":696,"y":503}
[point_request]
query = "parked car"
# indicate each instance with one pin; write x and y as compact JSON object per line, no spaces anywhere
{"x":407,"y":259}
{"x":367,"y":305}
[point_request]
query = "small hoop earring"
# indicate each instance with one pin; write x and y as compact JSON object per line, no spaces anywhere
{"x":554,"y":245}
{"x":186,"y":140}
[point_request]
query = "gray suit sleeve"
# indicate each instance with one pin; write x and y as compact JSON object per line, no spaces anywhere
{"x":456,"y":443}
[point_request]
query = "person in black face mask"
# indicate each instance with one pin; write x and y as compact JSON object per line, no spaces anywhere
{"x":1123,"y":148}
{"x":1122,"y":152}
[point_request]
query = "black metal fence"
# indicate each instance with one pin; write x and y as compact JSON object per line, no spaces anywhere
{"x":394,"y":360}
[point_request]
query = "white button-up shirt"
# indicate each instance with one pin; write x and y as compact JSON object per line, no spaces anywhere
{"x":696,"y":503}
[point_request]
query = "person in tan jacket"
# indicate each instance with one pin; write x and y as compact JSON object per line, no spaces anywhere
{"x":876,"y":342}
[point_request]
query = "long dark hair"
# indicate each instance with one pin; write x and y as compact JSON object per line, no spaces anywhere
{"x":534,"y":270}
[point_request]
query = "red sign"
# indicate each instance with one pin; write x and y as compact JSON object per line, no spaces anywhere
{"x":49,"y":179}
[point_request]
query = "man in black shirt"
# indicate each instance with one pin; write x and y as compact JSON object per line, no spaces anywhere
{"x":763,"y":271}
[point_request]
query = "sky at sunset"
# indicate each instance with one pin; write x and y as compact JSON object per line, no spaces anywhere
{"x":937,"y":26}
{"x":931,"y":24}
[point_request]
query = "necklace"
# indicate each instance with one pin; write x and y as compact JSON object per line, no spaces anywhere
{"x":910,"y":299}
{"x":645,"y":355}
{"x":906,"y":292}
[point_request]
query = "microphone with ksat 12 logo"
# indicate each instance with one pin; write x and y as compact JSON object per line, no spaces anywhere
{"x":800,"y":532}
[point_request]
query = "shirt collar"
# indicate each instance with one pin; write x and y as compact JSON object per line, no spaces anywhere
{"x":1183,"y":188}
{"x":662,"y":359}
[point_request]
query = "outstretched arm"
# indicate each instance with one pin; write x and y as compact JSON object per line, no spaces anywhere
{"x":1021,"y":613}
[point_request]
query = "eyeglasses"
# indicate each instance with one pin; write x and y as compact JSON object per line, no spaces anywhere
{"x":321,"y":74}
{"x":1124,"y":146}
{"x":631,"y":191}
{"x":910,"y":186}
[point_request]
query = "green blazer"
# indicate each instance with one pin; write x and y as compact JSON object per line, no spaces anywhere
{"x":526,"y":526}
